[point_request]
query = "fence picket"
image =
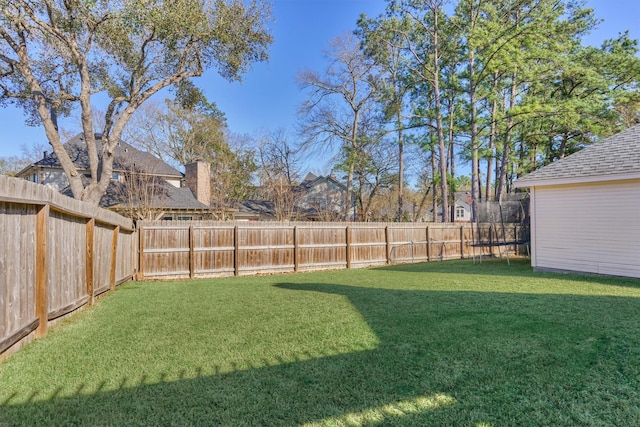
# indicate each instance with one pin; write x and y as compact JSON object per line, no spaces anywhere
{"x":242,"y":248}
{"x":60,"y":253}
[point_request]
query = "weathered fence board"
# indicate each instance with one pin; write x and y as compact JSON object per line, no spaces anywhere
{"x":103,"y":244}
{"x":321,"y":247}
{"x":126,"y":255}
{"x":66,"y":260}
{"x":57,"y":255}
{"x":210,"y":249}
{"x":17,"y":265}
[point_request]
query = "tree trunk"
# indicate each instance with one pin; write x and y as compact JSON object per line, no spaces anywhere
{"x":506,"y":150}
{"x":451,"y":148}
{"x":352,"y":166}
{"x":444,"y":189}
{"x":400,"y":165}
{"x":434,"y":193}
{"x":563,"y":145}
{"x":492,"y":138}
{"x":475,"y":173}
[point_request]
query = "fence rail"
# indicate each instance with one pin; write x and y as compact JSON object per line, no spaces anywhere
{"x":209,"y":249}
{"x":57,"y":255}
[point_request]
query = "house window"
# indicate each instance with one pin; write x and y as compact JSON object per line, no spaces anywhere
{"x":34,"y":177}
{"x":185,"y":218}
{"x":459,"y":212}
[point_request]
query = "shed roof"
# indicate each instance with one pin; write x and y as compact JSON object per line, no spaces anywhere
{"x":617,"y":157}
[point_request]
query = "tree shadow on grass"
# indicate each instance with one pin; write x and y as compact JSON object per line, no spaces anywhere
{"x":518,"y":267}
{"x":443,"y":358}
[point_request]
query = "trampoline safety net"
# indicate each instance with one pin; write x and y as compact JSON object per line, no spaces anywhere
{"x":500,"y":224}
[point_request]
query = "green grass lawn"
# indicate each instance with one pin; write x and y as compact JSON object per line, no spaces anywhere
{"x":445,"y":344}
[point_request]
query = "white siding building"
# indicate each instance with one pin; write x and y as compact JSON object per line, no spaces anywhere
{"x":585,"y":209}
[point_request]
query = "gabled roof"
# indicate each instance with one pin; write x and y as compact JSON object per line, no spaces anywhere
{"x":266,"y":208}
{"x":312,"y":180}
{"x":126,"y":156}
{"x":310,"y":177}
{"x":617,"y":157}
{"x":462,"y":198}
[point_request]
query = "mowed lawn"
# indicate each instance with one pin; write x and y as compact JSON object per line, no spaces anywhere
{"x":443,"y":344}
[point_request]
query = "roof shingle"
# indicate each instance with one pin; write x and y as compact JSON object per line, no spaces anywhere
{"x":616,"y":155}
{"x":125,"y":157}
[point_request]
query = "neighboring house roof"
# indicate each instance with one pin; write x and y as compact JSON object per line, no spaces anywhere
{"x":179,"y":198}
{"x":164,"y":196}
{"x":617,"y":157}
{"x":312,"y":180}
{"x":310,"y":189}
{"x":462,"y":198}
{"x":125,"y":157}
{"x":257,"y":207}
{"x":310,"y":177}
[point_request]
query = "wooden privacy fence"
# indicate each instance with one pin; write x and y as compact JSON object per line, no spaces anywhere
{"x":57,"y":254}
{"x":210,"y":249}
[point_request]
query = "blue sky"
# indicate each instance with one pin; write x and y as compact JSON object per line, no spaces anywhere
{"x":268,"y":97}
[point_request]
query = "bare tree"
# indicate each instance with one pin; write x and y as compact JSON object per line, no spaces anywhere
{"x":338,"y":101}
{"x":10,"y":165}
{"x":279,"y":174}
{"x":141,"y":194}
{"x":375,"y":172}
{"x":324,"y":208}
{"x":29,"y":154}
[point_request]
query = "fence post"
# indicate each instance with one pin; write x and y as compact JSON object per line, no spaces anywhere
{"x":42,"y":305}
{"x":348,"y":241}
{"x":462,"y":242}
{"x":89,"y":259}
{"x":490,"y":240}
{"x":114,"y":257}
{"x":236,"y":257}
{"x":192,"y":260}
{"x":388,"y":243}
{"x":141,"y":252}
{"x":295,"y":249}
{"x":428,"y":246}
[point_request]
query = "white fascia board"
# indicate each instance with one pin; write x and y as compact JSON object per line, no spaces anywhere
{"x":576,"y":180}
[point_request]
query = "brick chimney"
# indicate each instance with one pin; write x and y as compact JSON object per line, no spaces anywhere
{"x":198,"y":179}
